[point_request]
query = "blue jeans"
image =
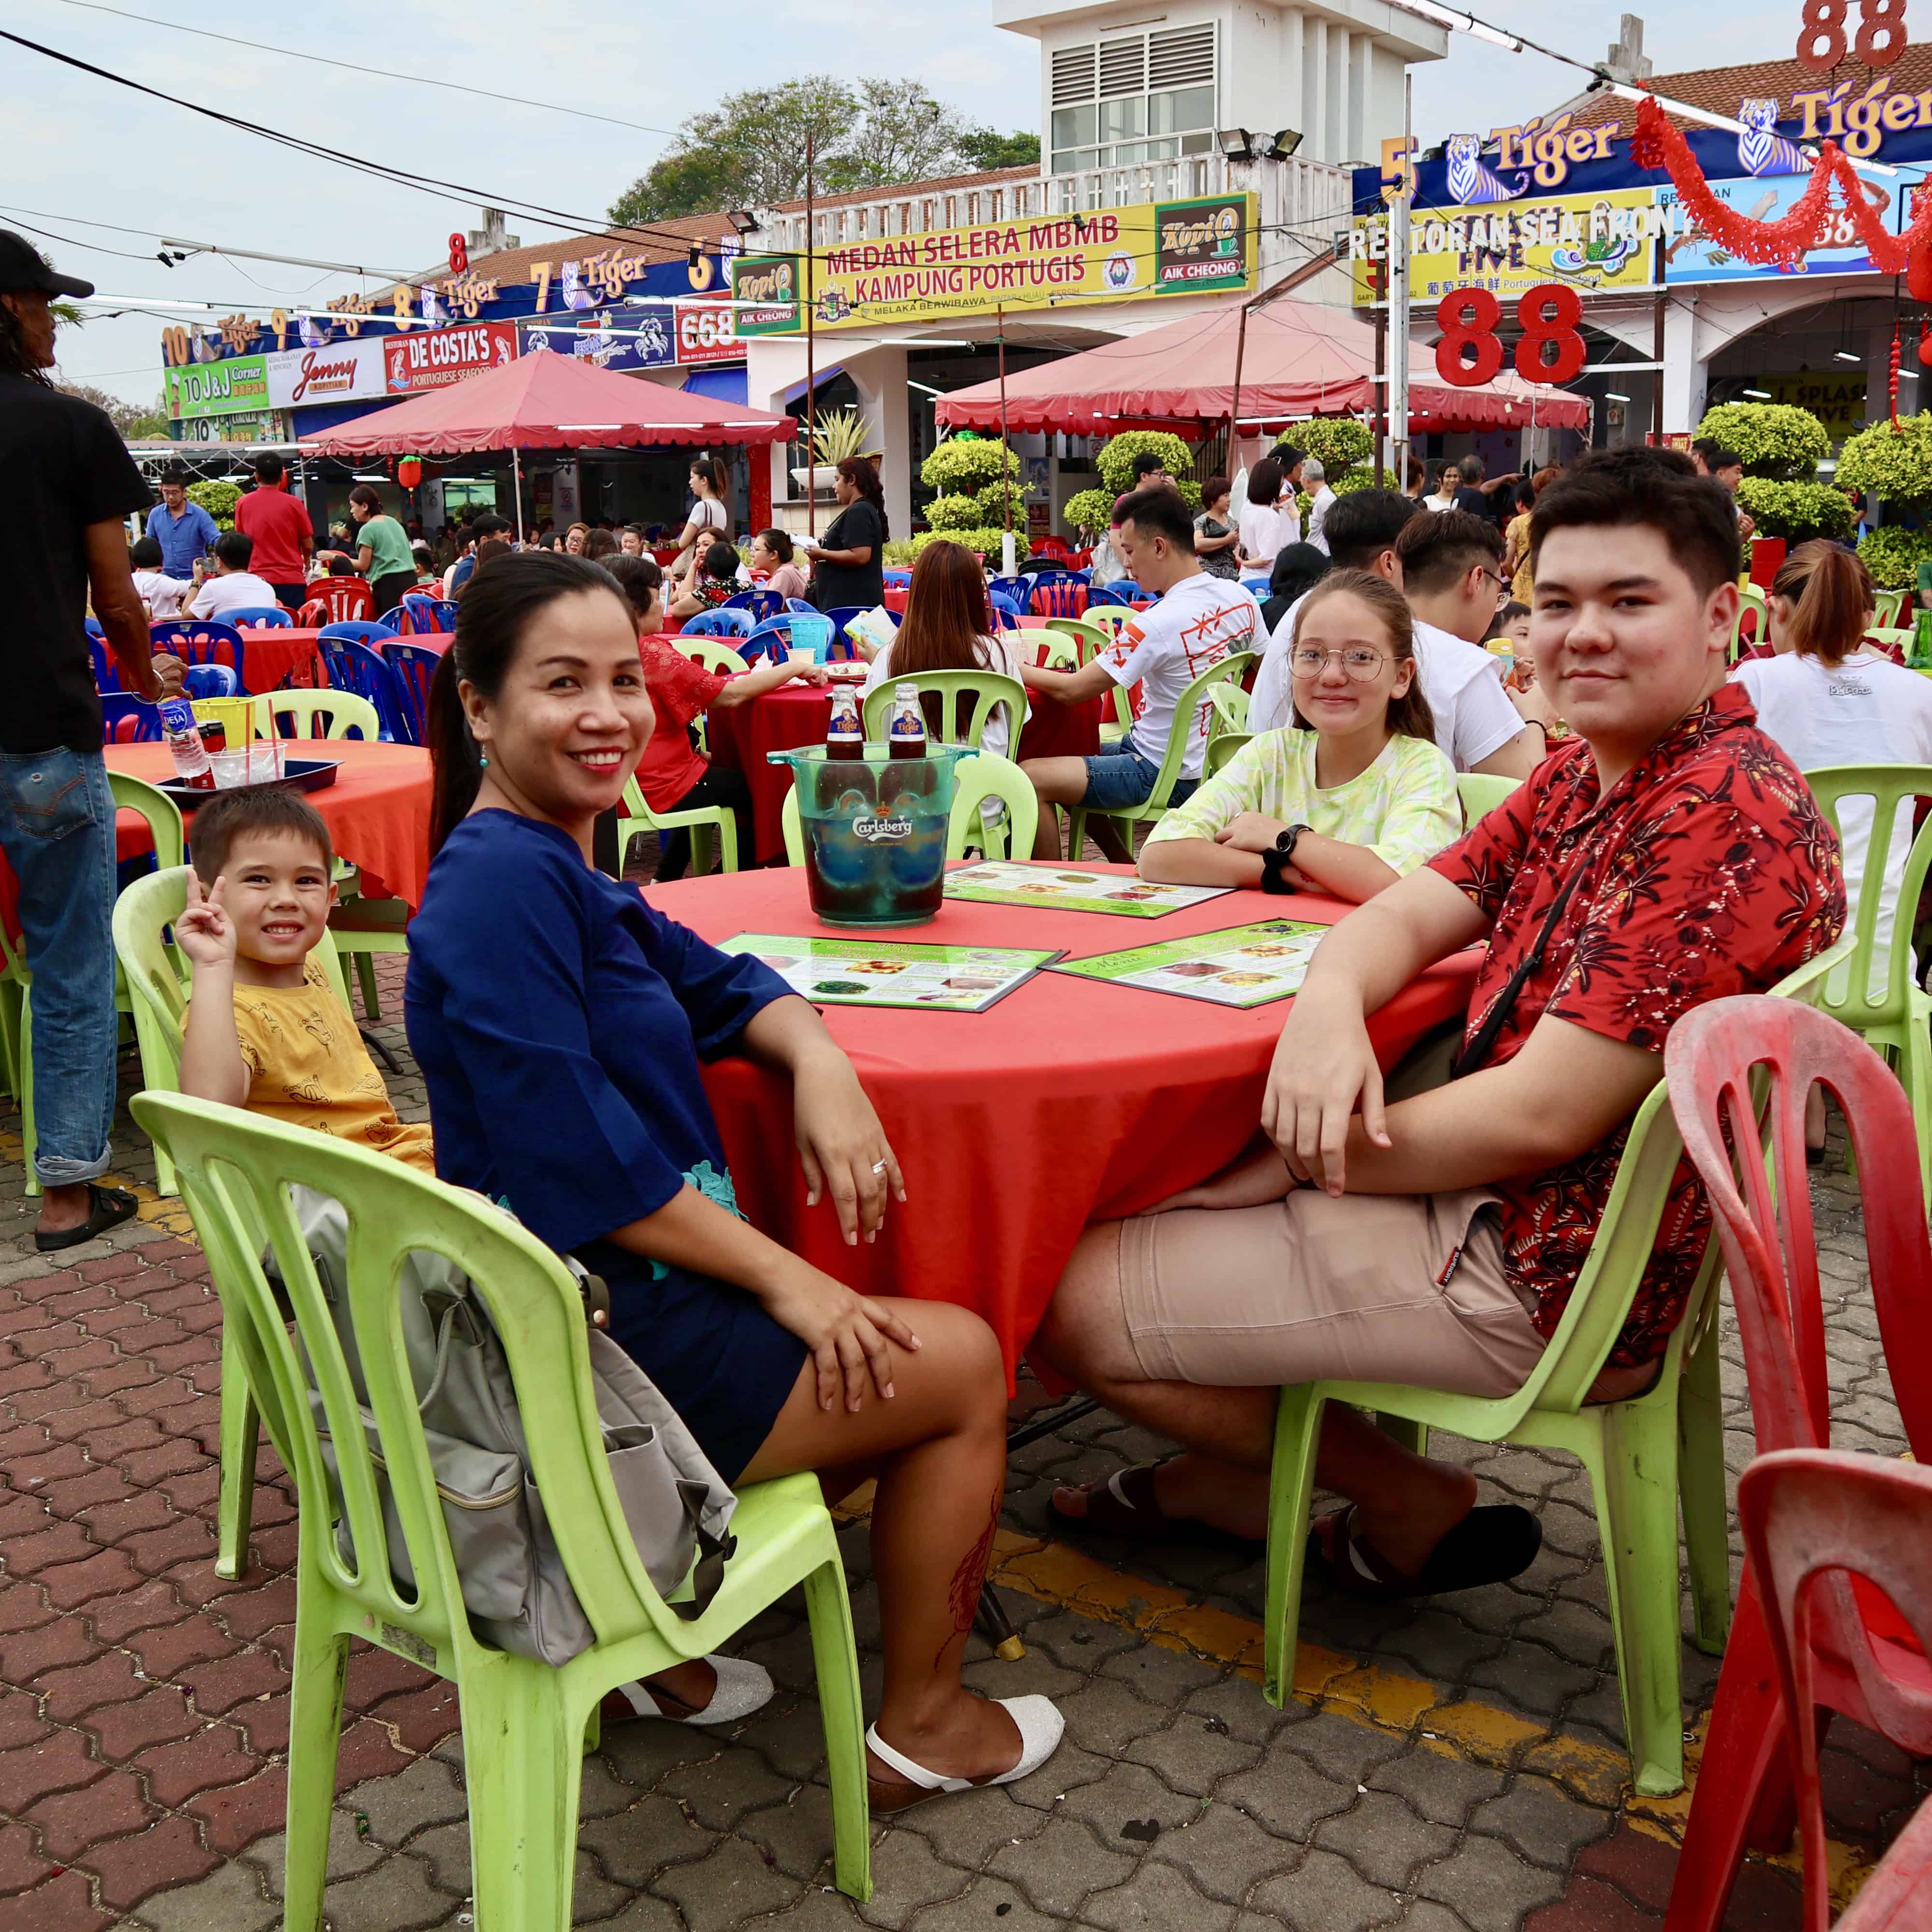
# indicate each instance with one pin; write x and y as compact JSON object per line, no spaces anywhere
{"x":1118,"y":780}
{"x":57,"y":829}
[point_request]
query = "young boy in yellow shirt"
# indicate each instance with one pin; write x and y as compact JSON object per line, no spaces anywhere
{"x":266,"y":1030}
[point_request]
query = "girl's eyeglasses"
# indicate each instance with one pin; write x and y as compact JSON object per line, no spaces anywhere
{"x":1361,"y":664}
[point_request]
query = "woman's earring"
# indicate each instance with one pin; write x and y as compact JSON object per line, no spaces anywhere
{"x":482,"y":761}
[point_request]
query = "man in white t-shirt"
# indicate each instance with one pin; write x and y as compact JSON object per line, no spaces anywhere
{"x":234,"y":586}
{"x":1198,"y":620}
{"x":1478,"y":728}
{"x":163,"y":595}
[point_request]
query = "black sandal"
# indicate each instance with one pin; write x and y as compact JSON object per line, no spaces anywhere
{"x":109,"y":1206}
{"x":1125,"y":1506}
{"x":1490,"y":1545}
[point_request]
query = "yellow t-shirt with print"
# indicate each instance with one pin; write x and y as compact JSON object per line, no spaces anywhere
{"x":310,"y":1068}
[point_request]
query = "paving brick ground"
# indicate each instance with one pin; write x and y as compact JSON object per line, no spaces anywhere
{"x":1455,"y":1767}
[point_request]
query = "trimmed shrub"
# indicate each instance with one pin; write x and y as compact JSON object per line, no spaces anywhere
{"x":1086,"y":512}
{"x":1894,"y":554}
{"x":1117,"y":454}
{"x":1776,"y":439}
{"x":1340,"y":443}
{"x":1894,"y":464}
{"x":984,"y":543}
{"x":962,"y":467}
{"x":1797,"y":511}
{"x":218,"y":499}
{"x":954,"y":513}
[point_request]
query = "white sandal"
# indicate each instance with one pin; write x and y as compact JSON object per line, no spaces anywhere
{"x":742,"y":1687}
{"x":1040,"y":1727}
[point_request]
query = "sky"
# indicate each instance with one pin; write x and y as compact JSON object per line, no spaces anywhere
{"x":81,"y":150}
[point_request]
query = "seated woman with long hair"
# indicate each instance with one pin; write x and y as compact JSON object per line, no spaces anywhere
{"x":948,"y":626}
{"x":1828,"y":698}
{"x":1351,"y":795}
{"x":560,"y":1020}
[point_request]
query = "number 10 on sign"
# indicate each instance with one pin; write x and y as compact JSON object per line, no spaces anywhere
{"x":1550,"y":350}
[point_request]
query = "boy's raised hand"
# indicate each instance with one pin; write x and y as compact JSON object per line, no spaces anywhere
{"x":204,"y":931}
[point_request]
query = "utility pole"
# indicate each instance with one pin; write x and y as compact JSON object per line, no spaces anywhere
{"x":1398,"y":320}
{"x":1007,"y":560}
{"x":810,"y":363}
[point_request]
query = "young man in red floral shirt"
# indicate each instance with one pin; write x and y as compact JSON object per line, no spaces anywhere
{"x":1436,"y":1240}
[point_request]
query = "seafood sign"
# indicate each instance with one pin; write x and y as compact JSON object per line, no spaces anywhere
{"x":1152,"y":248}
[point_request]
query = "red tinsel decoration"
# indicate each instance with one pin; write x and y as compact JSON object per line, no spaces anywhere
{"x":1785,"y":242}
{"x":1895,"y":375}
{"x":1925,"y":346}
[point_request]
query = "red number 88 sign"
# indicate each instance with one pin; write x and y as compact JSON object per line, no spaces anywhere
{"x":1547,"y":314}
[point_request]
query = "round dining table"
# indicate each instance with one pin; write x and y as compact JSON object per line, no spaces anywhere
{"x":1069,"y":1101}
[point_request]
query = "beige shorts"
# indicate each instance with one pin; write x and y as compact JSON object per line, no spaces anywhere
{"x":1394,"y":1288}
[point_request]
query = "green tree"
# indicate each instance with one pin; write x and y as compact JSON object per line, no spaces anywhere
{"x":749,"y":150}
{"x":986,"y":148}
{"x":123,"y":416}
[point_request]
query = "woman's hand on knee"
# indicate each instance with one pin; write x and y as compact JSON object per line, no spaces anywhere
{"x":846,"y":1333}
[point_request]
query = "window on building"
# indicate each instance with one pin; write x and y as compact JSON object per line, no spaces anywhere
{"x":1139,"y":96}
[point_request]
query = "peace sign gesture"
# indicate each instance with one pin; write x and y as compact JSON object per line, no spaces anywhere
{"x":204,"y":931}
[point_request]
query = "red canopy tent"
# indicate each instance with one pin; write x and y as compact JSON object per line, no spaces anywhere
{"x":1300,"y":359}
{"x":544,"y":400}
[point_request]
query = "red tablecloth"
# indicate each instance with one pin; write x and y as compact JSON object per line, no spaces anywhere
{"x":377,"y":810}
{"x":1068,"y":1102}
{"x":795,"y":714}
{"x":273,"y":659}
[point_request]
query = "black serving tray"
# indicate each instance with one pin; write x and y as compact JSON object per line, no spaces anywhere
{"x":298,"y":775}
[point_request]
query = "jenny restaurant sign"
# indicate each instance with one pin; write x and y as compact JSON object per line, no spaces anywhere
{"x":1152,"y":248}
{"x":342,"y":372}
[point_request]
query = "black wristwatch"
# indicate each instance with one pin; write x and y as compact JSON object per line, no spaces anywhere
{"x":1285,"y":841}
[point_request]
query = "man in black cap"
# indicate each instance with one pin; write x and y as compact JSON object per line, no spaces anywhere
{"x":67,"y":486}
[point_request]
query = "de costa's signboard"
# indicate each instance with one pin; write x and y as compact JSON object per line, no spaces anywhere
{"x":1154,"y":248}
{"x":342,"y":372}
{"x":439,"y":357}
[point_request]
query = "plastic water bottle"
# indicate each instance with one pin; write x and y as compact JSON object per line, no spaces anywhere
{"x":192,"y":766}
{"x":905,"y":736}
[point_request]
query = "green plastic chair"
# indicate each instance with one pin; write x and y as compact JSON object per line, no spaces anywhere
{"x":1229,"y":711}
{"x":985,"y":775}
{"x":1901,"y":637}
{"x":1221,"y":749}
{"x":711,"y":655}
{"x":1090,"y":636}
{"x":638,"y":818}
{"x":1058,"y":652}
{"x":1643,"y":1457}
{"x":161,"y":979}
{"x":164,"y":827}
{"x":296,"y":714}
{"x":1481,"y":792}
{"x":988,"y":689}
{"x":1231,"y":669}
{"x":526,"y":1724}
{"x":1889,"y":607}
{"x":1839,"y":982}
{"x":1751,"y":598}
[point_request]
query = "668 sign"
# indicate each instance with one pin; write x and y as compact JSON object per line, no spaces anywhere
{"x":707,"y":332}
{"x":1550,"y":352}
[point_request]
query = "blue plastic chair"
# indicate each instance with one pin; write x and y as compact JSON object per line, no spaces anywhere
{"x":799,"y":604}
{"x":362,"y":630}
{"x":1113,"y":593}
{"x":130,"y":720}
{"x":773,"y":638}
{"x":1017,"y":591}
{"x":353,"y":666}
{"x":842,"y":614}
{"x":107,"y":668}
{"x":428,"y":613}
{"x":94,"y":629}
{"x":895,"y":576}
{"x":719,"y":623}
{"x":198,"y":641}
{"x":210,"y":680}
{"x":762,"y":604}
{"x":265,"y":616}
{"x":415,"y":665}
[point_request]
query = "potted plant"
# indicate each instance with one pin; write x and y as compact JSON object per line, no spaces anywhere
{"x":843,"y":433}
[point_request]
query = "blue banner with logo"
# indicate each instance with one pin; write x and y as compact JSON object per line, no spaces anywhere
{"x":620,"y":339}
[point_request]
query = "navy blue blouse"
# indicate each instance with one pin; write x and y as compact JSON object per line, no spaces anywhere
{"x":559,"y":1022}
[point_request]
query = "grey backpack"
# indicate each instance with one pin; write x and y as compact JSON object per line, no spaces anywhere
{"x":514,"y":1587}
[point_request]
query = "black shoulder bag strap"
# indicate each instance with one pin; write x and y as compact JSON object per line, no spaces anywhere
{"x":1472,"y":1056}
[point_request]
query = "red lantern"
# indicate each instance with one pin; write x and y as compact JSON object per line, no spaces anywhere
{"x":1918,"y":275}
{"x":409,"y":472}
{"x":1925,"y":346}
{"x":1894,"y":384}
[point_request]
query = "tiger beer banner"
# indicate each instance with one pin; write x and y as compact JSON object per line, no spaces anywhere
{"x":1151,"y":249}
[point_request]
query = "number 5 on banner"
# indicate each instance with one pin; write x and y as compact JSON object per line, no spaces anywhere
{"x":1547,"y":314}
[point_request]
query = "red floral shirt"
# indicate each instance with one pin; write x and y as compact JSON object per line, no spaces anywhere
{"x":679,"y":690}
{"x":1707,"y":871}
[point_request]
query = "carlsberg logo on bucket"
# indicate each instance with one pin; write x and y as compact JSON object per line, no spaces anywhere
{"x":880,"y":831}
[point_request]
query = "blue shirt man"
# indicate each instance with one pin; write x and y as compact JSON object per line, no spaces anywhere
{"x":184,"y":529}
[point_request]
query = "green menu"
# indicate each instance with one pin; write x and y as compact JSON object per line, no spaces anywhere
{"x":1242,"y":966}
{"x":861,"y":971}
{"x":998,"y":882}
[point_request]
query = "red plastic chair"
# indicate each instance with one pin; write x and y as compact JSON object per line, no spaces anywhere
{"x":1771,"y":1255}
{"x":1809,"y":1516}
{"x":342,"y":598}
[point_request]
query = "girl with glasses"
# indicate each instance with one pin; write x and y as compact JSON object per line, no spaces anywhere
{"x":1353,"y":794}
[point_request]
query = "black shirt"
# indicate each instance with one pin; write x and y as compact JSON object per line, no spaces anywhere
{"x":838,"y":584}
{"x":1478,"y":503}
{"x":63,"y":467}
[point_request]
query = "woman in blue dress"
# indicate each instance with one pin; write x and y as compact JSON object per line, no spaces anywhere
{"x":559,"y":1021}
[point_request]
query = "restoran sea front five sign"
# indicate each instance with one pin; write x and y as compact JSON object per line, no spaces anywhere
{"x":1152,"y":248}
